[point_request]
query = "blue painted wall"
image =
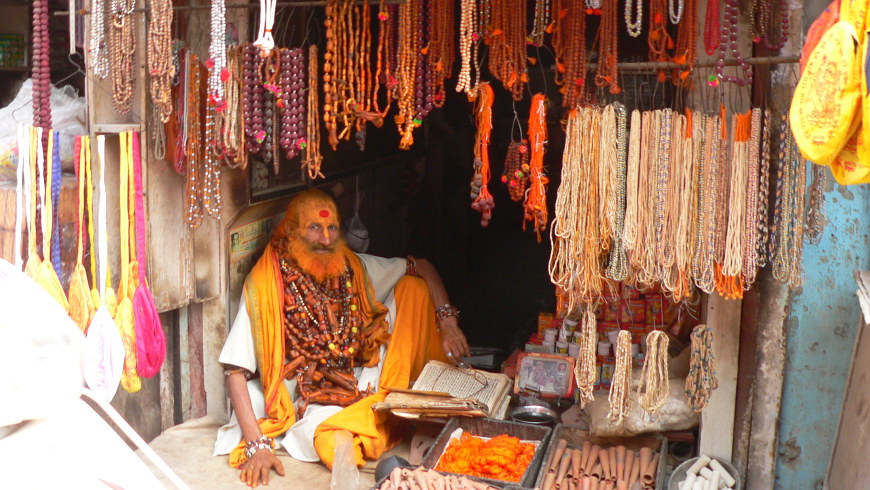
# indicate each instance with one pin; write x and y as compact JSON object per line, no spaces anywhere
{"x":821,"y":334}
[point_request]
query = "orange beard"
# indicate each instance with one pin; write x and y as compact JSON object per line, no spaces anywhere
{"x":320,"y":266}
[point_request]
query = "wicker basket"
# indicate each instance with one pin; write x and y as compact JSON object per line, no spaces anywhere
{"x":577,"y":435}
{"x":492,"y":428}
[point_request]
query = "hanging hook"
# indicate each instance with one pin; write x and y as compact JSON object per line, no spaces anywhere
{"x":516,"y":122}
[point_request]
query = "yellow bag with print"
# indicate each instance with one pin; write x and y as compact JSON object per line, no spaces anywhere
{"x":845,"y":167}
{"x":827,"y":98}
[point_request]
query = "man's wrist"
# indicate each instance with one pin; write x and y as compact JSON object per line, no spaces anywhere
{"x":252,"y":447}
{"x":445,"y":312}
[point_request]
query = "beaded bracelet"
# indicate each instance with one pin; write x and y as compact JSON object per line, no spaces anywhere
{"x":251,"y":447}
{"x":443,"y":312}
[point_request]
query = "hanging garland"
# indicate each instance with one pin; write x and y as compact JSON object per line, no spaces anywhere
{"x":483,"y":202}
{"x":535,"y":204}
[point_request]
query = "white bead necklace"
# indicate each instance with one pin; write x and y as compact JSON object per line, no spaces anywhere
{"x":676,"y":17}
{"x":267,"y":19}
{"x":634,"y":28}
{"x":217,"y":51}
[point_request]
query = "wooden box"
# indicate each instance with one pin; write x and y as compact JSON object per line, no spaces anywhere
{"x":492,"y":428}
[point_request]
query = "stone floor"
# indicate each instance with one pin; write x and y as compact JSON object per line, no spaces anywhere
{"x":187,"y":449}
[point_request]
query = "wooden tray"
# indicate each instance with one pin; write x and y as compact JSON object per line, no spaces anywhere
{"x":492,"y":428}
{"x":577,"y":435}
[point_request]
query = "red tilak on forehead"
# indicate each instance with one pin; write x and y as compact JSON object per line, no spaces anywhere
{"x":324,"y":213}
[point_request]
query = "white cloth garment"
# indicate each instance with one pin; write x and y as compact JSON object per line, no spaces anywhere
{"x":239,"y":351}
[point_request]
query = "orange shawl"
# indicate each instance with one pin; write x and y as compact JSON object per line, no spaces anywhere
{"x":264,"y":296}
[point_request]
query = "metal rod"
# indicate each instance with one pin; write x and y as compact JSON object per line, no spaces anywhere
{"x":303,"y":3}
{"x":668,"y":65}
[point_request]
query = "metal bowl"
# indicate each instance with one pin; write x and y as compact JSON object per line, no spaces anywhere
{"x":534,"y":415}
{"x":679,"y":473}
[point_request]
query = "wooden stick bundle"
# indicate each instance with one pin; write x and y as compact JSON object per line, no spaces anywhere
{"x":592,"y":467}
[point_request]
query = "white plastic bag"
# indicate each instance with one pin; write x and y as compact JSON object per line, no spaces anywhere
{"x":345,"y":474}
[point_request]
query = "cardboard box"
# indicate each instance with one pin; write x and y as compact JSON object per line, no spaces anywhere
{"x":632,"y":311}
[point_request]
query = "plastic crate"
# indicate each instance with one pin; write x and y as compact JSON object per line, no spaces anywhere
{"x":492,"y":428}
{"x":577,"y":435}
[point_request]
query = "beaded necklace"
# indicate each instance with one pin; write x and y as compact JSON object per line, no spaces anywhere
{"x":658,"y":38}
{"x":712,"y":27}
{"x":331,"y":65}
{"x":629,"y":236}
{"x":252,"y":101}
{"x":815,"y":215}
{"x":507,"y":46}
{"x":384,"y":69}
{"x":763,"y":193}
{"x":232,"y":119}
{"x":634,"y":28}
{"x":516,"y":169}
{"x":264,"y":33}
{"x":569,"y":45}
{"x":540,"y":24}
{"x":122,"y":52}
{"x":99,"y":61}
{"x":441,"y":49}
{"x":467,"y":37}
{"x":732,"y":264}
{"x":211,"y":169}
{"x":422,"y":77}
{"x":160,"y":66}
{"x":663,"y":250}
{"x":406,"y":119}
{"x":760,"y":21}
{"x":535,"y":204}
{"x":701,"y":380}
{"x":616,"y":267}
{"x":483,"y":202}
{"x":312,"y":159}
{"x":269,"y":69}
{"x":325,"y":318}
{"x":608,"y":50}
{"x":728,"y":37}
{"x":41,"y":69}
{"x":686,"y":191}
{"x":607,"y":176}
{"x":291,"y":101}
{"x":193,"y":149}
{"x":217,"y":52}
{"x":750,"y":233}
{"x":685,"y":52}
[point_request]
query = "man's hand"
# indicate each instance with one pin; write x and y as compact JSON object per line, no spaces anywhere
{"x":256,"y":469}
{"x":453,"y":340}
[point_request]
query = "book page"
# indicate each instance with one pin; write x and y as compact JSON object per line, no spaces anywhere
{"x":489,"y":388}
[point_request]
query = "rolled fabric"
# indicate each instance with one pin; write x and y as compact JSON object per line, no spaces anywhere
{"x":576,"y":469}
{"x":649,"y":476}
{"x":588,"y":481}
{"x":629,"y":465}
{"x":723,"y":473}
{"x":700,"y":484}
{"x":597,"y":472}
{"x":701,"y":462}
{"x":549,"y":482}
{"x":593,"y":458}
{"x":606,"y":464}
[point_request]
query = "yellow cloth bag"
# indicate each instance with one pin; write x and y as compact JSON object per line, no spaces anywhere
{"x":124,"y":317}
{"x":46,"y":276}
{"x":827,"y":98}
{"x":81,"y":303}
{"x":846,"y":167}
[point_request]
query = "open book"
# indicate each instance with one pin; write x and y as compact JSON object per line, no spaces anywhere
{"x":443,"y":390}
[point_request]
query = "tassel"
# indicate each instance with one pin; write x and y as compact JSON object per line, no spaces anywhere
{"x":621,"y":384}
{"x":655,"y":383}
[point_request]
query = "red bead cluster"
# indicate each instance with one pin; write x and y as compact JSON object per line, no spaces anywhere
{"x":252,"y":101}
{"x":423,"y":90}
{"x":516,"y":169}
{"x":41,"y":68}
{"x":292,"y":101}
